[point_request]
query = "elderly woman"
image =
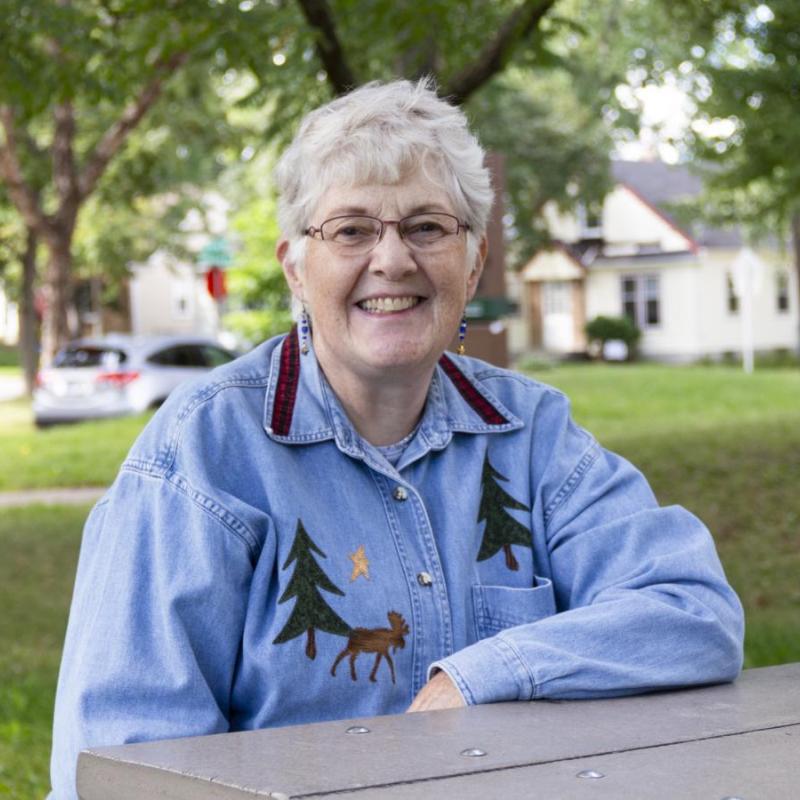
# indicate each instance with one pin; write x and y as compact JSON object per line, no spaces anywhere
{"x":348,"y":521}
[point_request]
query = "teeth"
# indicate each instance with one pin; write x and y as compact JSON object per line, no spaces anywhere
{"x":383,"y":305}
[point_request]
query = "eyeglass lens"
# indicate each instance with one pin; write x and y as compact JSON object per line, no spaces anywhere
{"x":354,"y":233}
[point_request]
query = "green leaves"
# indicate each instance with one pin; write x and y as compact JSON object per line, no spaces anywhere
{"x":757,"y":85}
{"x":259,"y":295}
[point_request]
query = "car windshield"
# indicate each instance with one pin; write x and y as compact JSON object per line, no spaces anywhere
{"x":88,"y":356}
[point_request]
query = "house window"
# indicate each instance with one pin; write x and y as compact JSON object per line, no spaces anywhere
{"x":641,"y":299}
{"x":590,"y":219}
{"x":782,"y":285}
{"x":733,"y":298}
{"x":557,"y":297}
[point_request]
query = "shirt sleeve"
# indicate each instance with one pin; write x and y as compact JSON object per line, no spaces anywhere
{"x":155,"y":624}
{"x":642,"y":599}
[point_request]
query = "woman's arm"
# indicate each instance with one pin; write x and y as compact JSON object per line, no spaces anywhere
{"x":155,"y":624}
{"x":643,"y":602}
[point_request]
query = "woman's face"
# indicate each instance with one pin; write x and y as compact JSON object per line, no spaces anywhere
{"x":393,"y":309}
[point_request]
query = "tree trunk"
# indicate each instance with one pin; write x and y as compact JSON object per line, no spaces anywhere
{"x":57,"y":292}
{"x":795,"y":223}
{"x":28,"y":324}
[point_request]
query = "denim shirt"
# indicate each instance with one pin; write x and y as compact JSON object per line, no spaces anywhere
{"x":257,"y":563}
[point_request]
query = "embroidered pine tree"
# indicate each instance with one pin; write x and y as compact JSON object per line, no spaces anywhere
{"x":310,"y":612}
{"x":501,"y":530}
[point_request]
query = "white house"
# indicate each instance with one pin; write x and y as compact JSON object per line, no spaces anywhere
{"x":9,"y":319}
{"x":693,"y":290}
{"x":169,"y":296}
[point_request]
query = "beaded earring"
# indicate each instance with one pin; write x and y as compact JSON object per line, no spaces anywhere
{"x":304,"y":329}
{"x":462,"y":334}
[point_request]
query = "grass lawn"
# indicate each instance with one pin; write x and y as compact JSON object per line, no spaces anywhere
{"x":725,"y":445}
{"x":9,"y":356}
{"x":40,"y":550}
{"x":83,"y":454}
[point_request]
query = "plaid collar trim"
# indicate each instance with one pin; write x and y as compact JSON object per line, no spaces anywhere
{"x":288,"y":380}
{"x":479,"y":404}
{"x":299,"y":409}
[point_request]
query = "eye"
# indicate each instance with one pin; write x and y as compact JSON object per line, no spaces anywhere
{"x":349,"y":230}
{"x":427,"y":226}
{"x":424,"y":228}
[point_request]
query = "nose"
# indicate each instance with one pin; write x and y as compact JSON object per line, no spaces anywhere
{"x":391,"y":256}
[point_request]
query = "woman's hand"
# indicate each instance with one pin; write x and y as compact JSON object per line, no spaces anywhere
{"x":437,"y":694}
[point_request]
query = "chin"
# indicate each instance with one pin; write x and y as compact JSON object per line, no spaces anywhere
{"x":403,"y":355}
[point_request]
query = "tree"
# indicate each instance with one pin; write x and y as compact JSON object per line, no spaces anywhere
{"x":517,"y":66}
{"x":556,"y":149}
{"x":260,"y":302}
{"x":461,"y":54}
{"x":98,"y":68}
{"x":750,"y":119}
{"x":108,"y":73}
{"x":501,"y":530}
{"x":18,"y":260}
{"x":310,"y":612}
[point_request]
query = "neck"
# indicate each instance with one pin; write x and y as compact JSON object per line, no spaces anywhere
{"x":385,"y":409}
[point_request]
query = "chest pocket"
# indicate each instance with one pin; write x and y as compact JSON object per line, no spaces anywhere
{"x":501,"y":607}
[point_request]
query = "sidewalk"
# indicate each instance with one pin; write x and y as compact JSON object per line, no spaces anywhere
{"x":52,"y":497}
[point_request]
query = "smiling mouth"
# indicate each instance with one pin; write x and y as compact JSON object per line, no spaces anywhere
{"x":388,"y":305}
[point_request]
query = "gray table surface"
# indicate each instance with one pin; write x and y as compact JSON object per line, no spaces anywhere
{"x":739,"y":740}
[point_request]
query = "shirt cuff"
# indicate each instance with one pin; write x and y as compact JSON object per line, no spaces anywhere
{"x":489,"y":671}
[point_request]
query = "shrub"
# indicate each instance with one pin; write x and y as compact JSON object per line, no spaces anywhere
{"x":603,"y":329}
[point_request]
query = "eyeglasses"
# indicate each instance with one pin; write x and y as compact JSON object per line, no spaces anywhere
{"x":356,"y":235}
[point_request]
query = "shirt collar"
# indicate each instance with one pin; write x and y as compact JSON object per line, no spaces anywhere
{"x":301,"y":407}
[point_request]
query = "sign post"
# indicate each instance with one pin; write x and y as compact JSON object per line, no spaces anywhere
{"x":214,"y":259}
{"x":747,"y":272}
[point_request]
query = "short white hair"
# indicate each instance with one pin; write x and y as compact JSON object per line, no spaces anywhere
{"x":380,"y":133}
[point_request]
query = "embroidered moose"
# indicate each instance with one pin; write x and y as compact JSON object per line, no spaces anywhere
{"x":374,"y":640}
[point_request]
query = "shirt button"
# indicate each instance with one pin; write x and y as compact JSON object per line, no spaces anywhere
{"x":400,"y":493}
{"x":424,"y":579}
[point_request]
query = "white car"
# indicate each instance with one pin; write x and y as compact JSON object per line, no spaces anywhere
{"x":119,"y":374}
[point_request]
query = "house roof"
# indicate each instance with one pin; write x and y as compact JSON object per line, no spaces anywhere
{"x":665,"y":185}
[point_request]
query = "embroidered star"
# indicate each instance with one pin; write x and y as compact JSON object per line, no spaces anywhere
{"x":360,"y":563}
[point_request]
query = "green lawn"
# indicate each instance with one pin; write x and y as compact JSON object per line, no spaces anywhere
{"x":83,"y":454}
{"x":725,"y":445}
{"x":9,"y":356}
{"x":636,"y":401}
{"x":40,"y":550}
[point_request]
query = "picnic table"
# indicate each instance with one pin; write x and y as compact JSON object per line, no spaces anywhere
{"x":733,"y":741}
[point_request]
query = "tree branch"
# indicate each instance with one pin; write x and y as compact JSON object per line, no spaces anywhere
{"x":329,"y":48}
{"x":20,"y":192}
{"x":518,"y":26}
{"x":113,"y":139}
{"x":65,"y":175}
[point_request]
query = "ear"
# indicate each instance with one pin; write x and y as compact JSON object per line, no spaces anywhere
{"x":477,"y":267}
{"x":293,"y":276}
